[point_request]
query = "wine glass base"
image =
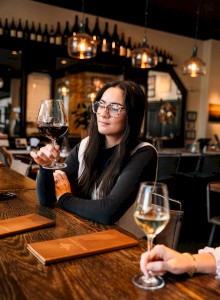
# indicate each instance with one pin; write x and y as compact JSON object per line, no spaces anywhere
{"x":152,"y":283}
{"x":55,"y":166}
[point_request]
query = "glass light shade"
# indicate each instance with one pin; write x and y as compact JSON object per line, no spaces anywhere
{"x":194,"y":66}
{"x":81,"y":46}
{"x":144,"y":57}
{"x":64,"y":89}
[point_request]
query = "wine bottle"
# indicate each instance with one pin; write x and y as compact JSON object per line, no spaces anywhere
{"x":20,"y":33}
{"x":12,"y":29}
{"x":39,"y":34}
{"x":87,"y":30}
{"x":122,"y":47}
{"x":6,"y":28}
{"x":52,"y":35}
{"x":66,"y":34}
{"x":106,"y":40}
{"x":115,"y":42}
{"x":58,"y":35}
{"x":128,"y":48}
{"x":75,"y":28}
{"x":32,"y":32}
{"x":26,"y":31}
{"x":96,"y":35}
{"x":46,"y":34}
{"x":1,"y":28}
{"x":160,"y":56}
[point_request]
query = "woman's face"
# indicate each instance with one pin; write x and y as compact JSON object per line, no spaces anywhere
{"x":110,"y":126}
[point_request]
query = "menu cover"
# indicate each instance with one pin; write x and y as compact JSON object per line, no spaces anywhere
{"x":78,"y":246}
{"x":23,"y":224}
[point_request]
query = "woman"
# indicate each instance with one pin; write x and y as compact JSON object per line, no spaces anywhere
{"x":162,"y":259}
{"x":106,"y":167}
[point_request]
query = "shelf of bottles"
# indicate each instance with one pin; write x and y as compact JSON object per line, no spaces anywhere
{"x":24,"y":32}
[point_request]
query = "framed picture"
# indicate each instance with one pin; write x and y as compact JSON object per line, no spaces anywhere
{"x":151,"y":86}
{"x":191,"y":115}
{"x":190,"y":134}
{"x":214,"y":112}
{"x":190,"y":125}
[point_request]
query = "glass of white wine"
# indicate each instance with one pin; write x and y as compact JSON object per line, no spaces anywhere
{"x":152,"y":215}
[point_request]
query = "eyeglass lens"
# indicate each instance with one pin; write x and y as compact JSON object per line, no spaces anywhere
{"x":113,"y":110}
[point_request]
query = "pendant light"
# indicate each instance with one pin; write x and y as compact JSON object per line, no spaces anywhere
{"x":194,"y":66}
{"x":81,"y":45}
{"x":63,"y":88}
{"x":144,"y":56}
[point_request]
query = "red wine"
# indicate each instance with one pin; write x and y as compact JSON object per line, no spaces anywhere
{"x":52,"y":132}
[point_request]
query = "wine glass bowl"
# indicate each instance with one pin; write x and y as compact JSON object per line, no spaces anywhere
{"x":52,"y":122}
{"x":151,"y":215}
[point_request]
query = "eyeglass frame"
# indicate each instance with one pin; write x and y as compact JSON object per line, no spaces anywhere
{"x":121,"y":107}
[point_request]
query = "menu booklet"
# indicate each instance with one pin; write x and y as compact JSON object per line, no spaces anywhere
{"x":78,"y":246}
{"x":23,"y":224}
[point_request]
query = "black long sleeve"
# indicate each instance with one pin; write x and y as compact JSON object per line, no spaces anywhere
{"x":141,"y":167}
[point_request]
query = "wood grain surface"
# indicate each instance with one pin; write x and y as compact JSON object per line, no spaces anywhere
{"x":103,"y":276}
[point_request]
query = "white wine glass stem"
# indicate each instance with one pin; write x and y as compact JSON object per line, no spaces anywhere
{"x":149,"y":248}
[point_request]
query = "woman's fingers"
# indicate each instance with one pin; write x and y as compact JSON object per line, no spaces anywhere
{"x":46,"y":154}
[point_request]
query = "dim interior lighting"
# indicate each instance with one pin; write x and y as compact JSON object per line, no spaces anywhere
{"x":194,"y":66}
{"x":144,"y":56}
{"x":81,"y":45}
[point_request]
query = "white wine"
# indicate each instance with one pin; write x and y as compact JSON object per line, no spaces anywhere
{"x":152,"y":222}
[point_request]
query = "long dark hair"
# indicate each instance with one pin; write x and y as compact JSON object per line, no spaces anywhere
{"x":134,"y":101}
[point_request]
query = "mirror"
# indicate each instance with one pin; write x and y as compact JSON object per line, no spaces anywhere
{"x":166,"y":102}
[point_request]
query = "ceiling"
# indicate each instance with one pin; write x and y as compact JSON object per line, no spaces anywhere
{"x":174,"y":16}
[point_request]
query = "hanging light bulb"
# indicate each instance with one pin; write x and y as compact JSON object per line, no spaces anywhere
{"x":143,"y":56}
{"x":64,"y":89}
{"x":81,"y":45}
{"x":194,"y":66}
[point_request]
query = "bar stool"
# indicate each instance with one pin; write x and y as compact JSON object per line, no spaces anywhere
{"x":213,"y":208}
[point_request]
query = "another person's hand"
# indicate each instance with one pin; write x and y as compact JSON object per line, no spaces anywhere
{"x":162,"y":259}
{"x":62,"y":184}
{"x":46,"y":154}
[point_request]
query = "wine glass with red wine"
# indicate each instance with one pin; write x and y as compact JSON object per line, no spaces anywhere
{"x":52,"y":122}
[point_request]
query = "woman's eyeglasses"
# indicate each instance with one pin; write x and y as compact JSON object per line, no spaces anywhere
{"x":113,"y":109}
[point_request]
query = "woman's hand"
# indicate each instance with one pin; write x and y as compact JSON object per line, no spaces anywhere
{"x":46,"y":155}
{"x":162,"y":259}
{"x":62,"y":184}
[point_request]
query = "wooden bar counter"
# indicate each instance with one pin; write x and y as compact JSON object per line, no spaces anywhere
{"x":102,"y":276}
{"x":12,"y":180}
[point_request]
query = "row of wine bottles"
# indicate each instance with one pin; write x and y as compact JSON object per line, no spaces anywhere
{"x":113,"y":43}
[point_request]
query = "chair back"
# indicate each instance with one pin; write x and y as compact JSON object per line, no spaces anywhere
{"x":171,"y":233}
{"x":169,"y":236}
{"x":208,"y":165}
{"x":168,"y":165}
{"x":22,"y":164}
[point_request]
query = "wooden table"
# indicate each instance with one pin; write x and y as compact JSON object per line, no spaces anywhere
{"x":98,"y":277}
{"x":12,"y":180}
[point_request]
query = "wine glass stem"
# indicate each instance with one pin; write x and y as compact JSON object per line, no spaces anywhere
{"x":149,"y":247}
{"x":54,"y":142}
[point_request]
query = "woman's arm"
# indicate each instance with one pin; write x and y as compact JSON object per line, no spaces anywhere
{"x":162,"y":259}
{"x":141,"y":167}
{"x":45,"y":179}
